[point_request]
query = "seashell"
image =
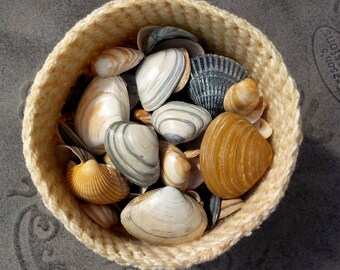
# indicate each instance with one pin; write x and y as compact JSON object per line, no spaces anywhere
{"x":131,"y":86}
{"x":133,"y":149}
{"x":263,"y":127}
{"x":234,"y":156}
{"x":257,"y":112}
{"x":115,"y":61}
{"x":142,"y":115}
{"x":175,"y":168}
{"x":160,"y":34}
{"x":104,"y":102}
{"x":211,"y":203}
{"x":96,"y":183}
{"x":193,"y":194}
{"x":195,"y":179}
{"x":65,"y":153}
{"x":69,"y":137}
{"x":108,"y":161}
{"x":180,"y":122}
{"x":242,"y":97}
{"x":143,"y":36}
{"x":104,"y":215}
{"x":193,"y":48}
{"x":159,"y":75}
{"x":211,"y":77}
{"x":228,"y":207}
{"x":164,"y":216}
{"x":186,"y":73}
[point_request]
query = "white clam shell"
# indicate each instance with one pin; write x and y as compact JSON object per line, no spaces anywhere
{"x":180,"y":122}
{"x":133,"y":150}
{"x":263,"y":127}
{"x":104,"y":102}
{"x":159,"y":75}
{"x":164,"y":216}
{"x":112,"y":62}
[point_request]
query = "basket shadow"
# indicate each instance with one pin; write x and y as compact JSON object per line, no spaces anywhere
{"x":303,"y":232}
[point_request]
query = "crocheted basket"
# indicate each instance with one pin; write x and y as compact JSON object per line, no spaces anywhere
{"x":114,"y":24}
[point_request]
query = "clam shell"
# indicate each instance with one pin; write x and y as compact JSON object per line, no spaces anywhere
{"x":112,"y":62}
{"x":242,"y":97}
{"x":143,"y":36}
{"x":65,"y":153}
{"x":180,"y":122}
{"x":164,"y":216}
{"x":195,"y":179}
{"x":104,"y":102}
{"x":159,"y":75}
{"x":160,"y":34}
{"x":255,"y":115}
{"x":104,"y":215}
{"x":96,"y":183}
{"x":175,"y":168}
{"x":69,"y":137}
{"x":234,"y":156}
{"x":142,"y":115}
{"x":131,"y":86}
{"x":263,"y":127}
{"x":193,"y":48}
{"x":229,"y":207}
{"x":133,"y":149}
{"x":211,"y":77}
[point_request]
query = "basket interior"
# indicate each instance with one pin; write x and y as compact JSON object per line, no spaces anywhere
{"x":117,"y":24}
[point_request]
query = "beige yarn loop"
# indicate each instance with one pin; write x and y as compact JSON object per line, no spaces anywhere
{"x":222,"y":33}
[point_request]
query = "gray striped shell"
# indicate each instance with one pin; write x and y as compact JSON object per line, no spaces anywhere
{"x":159,"y":75}
{"x":211,"y":77}
{"x":133,"y":150}
{"x":180,"y":122}
{"x":150,"y":36}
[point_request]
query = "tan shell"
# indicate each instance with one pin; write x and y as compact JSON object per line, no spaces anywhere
{"x":115,"y":61}
{"x":255,"y":115}
{"x":164,"y":216}
{"x":104,"y":215}
{"x":263,"y":127}
{"x":96,"y":183}
{"x":234,"y":156}
{"x":229,"y":207}
{"x":242,"y":97}
{"x":175,"y":168}
{"x":142,"y":115}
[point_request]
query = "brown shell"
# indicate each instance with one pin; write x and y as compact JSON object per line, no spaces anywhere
{"x":104,"y":215}
{"x":96,"y":183}
{"x":234,"y":156}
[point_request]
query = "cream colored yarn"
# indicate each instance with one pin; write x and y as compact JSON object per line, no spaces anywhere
{"x":114,"y":24}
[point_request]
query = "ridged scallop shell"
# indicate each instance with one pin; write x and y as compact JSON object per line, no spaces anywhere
{"x":229,"y":207}
{"x":96,"y":183}
{"x":180,"y":122}
{"x":164,"y":216}
{"x":158,"y":76}
{"x":242,"y":97}
{"x":133,"y":149}
{"x":234,"y":156}
{"x":104,"y":102}
{"x":211,"y":77}
{"x":193,"y":48}
{"x":160,"y":34}
{"x":115,"y":61}
{"x":104,"y":215}
{"x":175,"y":168}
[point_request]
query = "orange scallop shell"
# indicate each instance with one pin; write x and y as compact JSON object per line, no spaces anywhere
{"x":234,"y":156}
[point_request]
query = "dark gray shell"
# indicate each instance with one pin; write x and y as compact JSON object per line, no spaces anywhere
{"x":194,"y":49}
{"x":211,"y":76}
{"x":164,"y":33}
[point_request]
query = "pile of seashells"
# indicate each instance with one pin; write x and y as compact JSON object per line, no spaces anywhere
{"x":163,"y":141}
